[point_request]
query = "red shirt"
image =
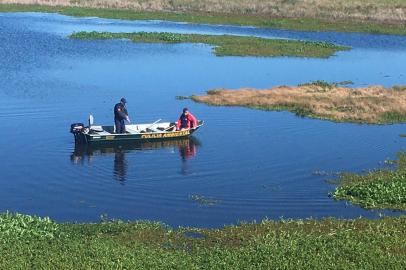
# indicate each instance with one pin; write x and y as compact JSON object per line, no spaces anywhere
{"x":189,"y":121}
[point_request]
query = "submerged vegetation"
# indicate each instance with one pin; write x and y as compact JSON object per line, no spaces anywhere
{"x":375,"y":17}
{"x":377,"y":189}
{"x":227,"y":45}
{"x":203,"y":200}
{"x":322,"y":100}
{"x":286,"y":244}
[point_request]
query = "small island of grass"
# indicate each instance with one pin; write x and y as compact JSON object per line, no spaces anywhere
{"x":321,"y":100}
{"x":378,"y":189}
{"x":228,"y":45}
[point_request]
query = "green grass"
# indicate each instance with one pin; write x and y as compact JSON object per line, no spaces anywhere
{"x":300,"y":24}
{"x":377,"y":189}
{"x":392,"y":117}
{"x":286,"y":244}
{"x":228,"y":45}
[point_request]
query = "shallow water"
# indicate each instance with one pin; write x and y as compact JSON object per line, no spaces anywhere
{"x":251,"y":164}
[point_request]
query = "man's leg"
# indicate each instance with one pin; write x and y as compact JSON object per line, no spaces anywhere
{"x":118,"y":126}
{"x":122,"y":126}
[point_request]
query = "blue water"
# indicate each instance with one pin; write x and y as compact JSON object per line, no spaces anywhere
{"x":253,"y":164}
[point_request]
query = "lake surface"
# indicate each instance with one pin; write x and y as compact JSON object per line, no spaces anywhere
{"x":243,"y":165}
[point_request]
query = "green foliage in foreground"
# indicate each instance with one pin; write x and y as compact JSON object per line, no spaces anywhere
{"x":377,"y":189}
{"x":228,"y":45}
{"x":292,"y":244}
{"x":18,"y":226}
{"x":300,"y":24}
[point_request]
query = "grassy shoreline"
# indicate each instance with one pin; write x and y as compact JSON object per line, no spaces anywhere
{"x":40,"y":243}
{"x":377,"y":189}
{"x":320,"y":100}
{"x":228,"y":45}
{"x":242,"y":19}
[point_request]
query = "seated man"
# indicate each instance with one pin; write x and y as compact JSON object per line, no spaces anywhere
{"x":186,"y":120}
{"x":120,"y":116}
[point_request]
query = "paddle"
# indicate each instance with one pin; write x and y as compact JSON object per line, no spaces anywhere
{"x":168,"y":128}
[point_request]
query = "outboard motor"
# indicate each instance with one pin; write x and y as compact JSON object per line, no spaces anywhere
{"x":77,"y":128}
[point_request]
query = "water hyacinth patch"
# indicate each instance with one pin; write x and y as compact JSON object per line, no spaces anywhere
{"x":24,"y":226}
{"x":283,"y":244}
{"x":377,"y":189}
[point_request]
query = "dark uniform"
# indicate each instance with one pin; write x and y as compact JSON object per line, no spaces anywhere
{"x":120,"y":114}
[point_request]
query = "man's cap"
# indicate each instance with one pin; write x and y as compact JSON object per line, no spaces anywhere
{"x":185,"y":109}
{"x":123,"y":100}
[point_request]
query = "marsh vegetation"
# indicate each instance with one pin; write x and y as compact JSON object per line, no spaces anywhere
{"x":374,"y":10}
{"x":227,"y":45}
{"x":322,"y":100}
{"x":40,"y":243}
{"x":377,"y":189}
{"x":370,"y":16}
{"x":29,"y":242}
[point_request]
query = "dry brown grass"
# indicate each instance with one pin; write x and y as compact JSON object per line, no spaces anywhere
{"x":393,"y":11}
{"x":373,"y":104}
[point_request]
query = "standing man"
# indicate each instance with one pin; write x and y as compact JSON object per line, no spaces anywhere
{"x":120,"y":116}
{"x":186,"y":120}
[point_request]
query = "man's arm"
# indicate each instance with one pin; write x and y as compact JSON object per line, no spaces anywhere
{"x":193,"y":120}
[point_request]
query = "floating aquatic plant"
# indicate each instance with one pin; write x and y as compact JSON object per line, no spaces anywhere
{"x":377,"y":189}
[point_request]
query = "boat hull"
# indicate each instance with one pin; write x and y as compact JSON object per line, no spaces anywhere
{"x":96,"y":138}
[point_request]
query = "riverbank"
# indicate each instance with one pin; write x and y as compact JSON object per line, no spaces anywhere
{"x":228,"y":45}
{"x":40,"y":243}
{"x":389,"y":18}
{"x":377,"y":189}
{"x":321,"y":100}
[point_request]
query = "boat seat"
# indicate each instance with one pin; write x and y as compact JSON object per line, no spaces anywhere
{"x":96,"y":128}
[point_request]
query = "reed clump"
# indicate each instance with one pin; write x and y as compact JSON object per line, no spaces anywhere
{"x":372,"y":105}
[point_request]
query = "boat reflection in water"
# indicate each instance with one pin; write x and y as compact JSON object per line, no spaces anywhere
{"x":187,"y":148}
